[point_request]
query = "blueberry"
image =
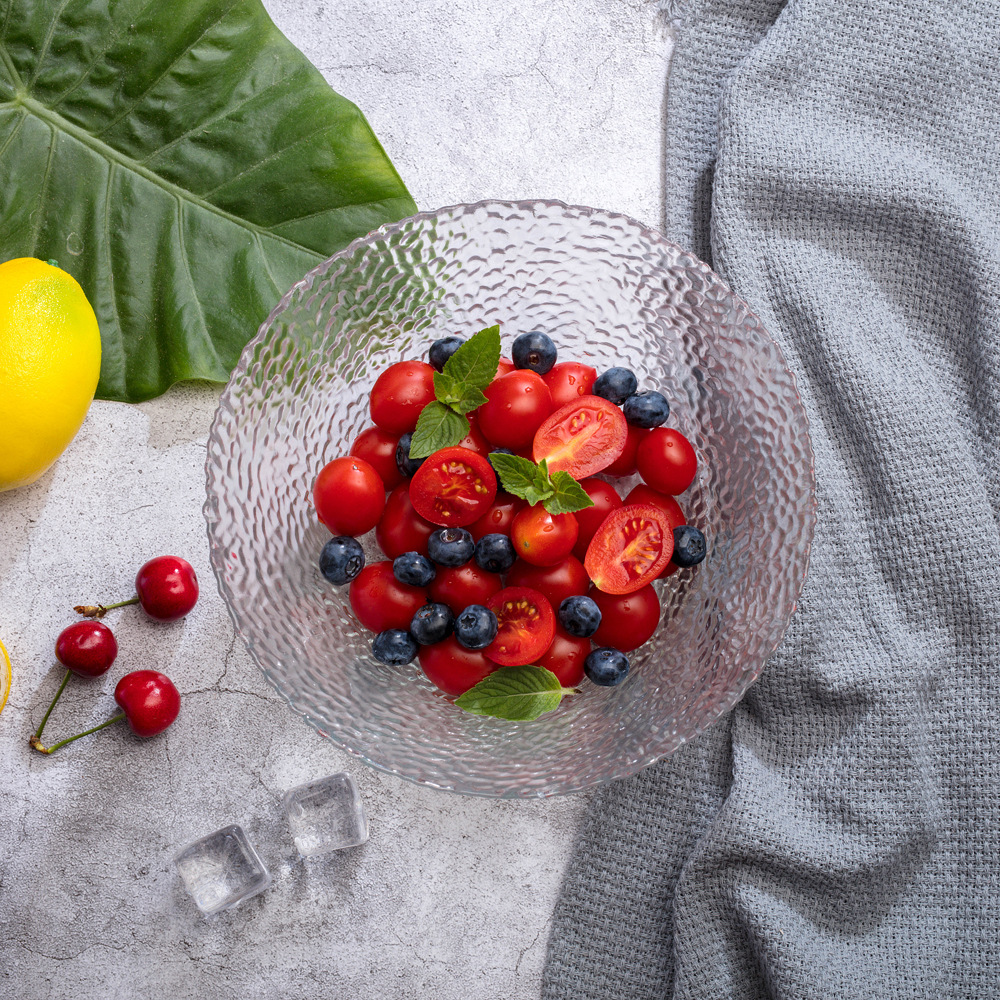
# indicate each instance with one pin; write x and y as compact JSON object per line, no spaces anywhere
{"x":647,"y":409}
{"x":606,"y":667}
{"x":342,"y":559}
{"x":580,"y":616}
{"x":476,"y":627}
{"x":394,"y":647}
{"x":615,"y":385}
{"x":450,"y":546}
{"x":495,"y":553}
{"x":441,"y":350}
{"x":534,"y":351}
{"x":407,"y":466}
{"x":432,"y":623}
{"x":689,"y":546}
{"x":414,"y":569}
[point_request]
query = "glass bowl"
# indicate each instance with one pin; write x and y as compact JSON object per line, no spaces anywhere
{"x":609,"y":292}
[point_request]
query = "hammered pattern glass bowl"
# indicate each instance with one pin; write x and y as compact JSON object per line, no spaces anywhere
{"x":609,"y":292}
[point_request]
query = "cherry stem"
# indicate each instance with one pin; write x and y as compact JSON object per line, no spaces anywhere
{"x":52,"y":705}
{"x":37,"y":745}
{"x":100,"y":610}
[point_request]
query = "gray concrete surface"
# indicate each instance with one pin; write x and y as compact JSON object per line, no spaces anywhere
{"x":452,"y":897}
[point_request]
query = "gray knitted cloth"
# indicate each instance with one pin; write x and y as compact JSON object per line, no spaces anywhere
{"x":838,"y":835}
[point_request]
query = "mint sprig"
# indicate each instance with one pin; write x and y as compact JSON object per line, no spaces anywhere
{"x":558,"y":493}
{"x":518,"y":694}
{"x":459,"y":390}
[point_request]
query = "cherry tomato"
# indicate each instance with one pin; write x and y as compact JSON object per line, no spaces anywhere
{"x":526,"y":625}
{"x":641,"y":493}
{"x":515,"y":406}
{"x":378,"y":448}
{"x":453,"y":487}
{"x":460,"y":586}
{"x":565,"y":579}
{"x":474,"y":440}
{"x":505,"y":367}
{"x":380,"y":601}
{"x":452,"y":667}
{"x":349,"y":496}
{"x":498,"y":519}
{"x":568,"y":381}
{"x":565,"y":657}
{"x":589,"y":519}
{"x":400,"y":393}
{"x":630,"y":549}
{"x":667,"y":461}
{"x":627,"y":620}
{"x":402,"y":529}
{"x":542,"y":538}
{"x":582,"y":437}
{"x":624,"y":464}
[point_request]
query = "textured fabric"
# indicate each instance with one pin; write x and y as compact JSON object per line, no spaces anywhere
{"x":838,"y":836}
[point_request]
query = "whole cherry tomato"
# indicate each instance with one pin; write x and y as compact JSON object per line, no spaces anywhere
{"x":452,"y":667}
{"x":542,"y":538}
{"x":401,"y":528}
{"x":460,"y":586}
{"x":667,"y":461}
{"x":627,"y":620}
{"x":500,"y":516}
{"x":565,"y":657}
{"x":349,"y":496}
{"x":624,"y":464}
{"x":566,"y":578}
{"x":516,"y":404}
{"x":400,"y":393}
{"x":568,"y":381}
{"x":378,"y":448}
{"x":606,"y":499}
{"x":380,"y":601}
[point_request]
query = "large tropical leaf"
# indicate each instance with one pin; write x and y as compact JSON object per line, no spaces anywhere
{"x":186,"y":163}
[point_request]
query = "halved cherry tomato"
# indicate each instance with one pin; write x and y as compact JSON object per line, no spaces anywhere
{"x":402,"y":529}
{"x":582,"y":437}
{"x":349,"y":496}
{"x":568,"y":381}
{"x":565,"y":579}
{"x":498,"y":519}
{"x":400,"y":393}
{"x":630,"y":549}
{"x":565,"y":657}
{"x":515,"y":406}
{"x":526,"y":625}
{"x":378,"y":448}
{"x":624,"y":464}
{"x":542,"y":538}
{"x":667,"y":461}
{"x":641,"y":493}
{"x":460,"y":586}
{"x":627,"y":620}
{"x":452,"y":667}
{"x":380,"y":601}
{"x":453,"y":487}
{"x":606,"y":499}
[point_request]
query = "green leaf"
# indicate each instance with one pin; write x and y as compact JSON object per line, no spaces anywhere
{"x":519,"y":694}
{"x":447,"y":389}
{"x":475,"y":363}
{"x":520,"y":476}
{"x":438,"y":427}
{"x":473,"y":399}
{"x":186,"y":164}
{"x":568,"y":495}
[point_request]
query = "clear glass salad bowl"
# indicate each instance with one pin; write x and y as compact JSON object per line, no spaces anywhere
{"x":609,"y":292}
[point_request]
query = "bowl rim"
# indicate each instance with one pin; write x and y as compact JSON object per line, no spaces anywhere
{"x":626,"y":768}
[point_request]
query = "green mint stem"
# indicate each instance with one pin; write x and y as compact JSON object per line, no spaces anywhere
{"x":52,"y":705}
{"x":36,"y":744}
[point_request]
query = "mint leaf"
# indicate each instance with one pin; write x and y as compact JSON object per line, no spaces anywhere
{"x":568,"y":495}
{"x":518,"y":694}
{"x":474,"y":364}
{"x":472,"y":399}
{"x":447,"y":388}
{"x":437,"y":427}
{"x":519,"y":476}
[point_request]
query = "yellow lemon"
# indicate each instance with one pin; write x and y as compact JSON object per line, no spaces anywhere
{"x":50,"y":360}
{"x":5,"y":677}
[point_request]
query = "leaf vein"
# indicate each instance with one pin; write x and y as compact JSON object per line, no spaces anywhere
{"x":37,"y":227}
{"x":13,"y":135}
{"x":44,"y":51}
{"x":267,"y":264}
{"x":182,"y":246}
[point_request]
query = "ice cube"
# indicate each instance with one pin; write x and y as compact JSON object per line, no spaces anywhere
{"x":326,"y":815}
{"x":221,"y":870}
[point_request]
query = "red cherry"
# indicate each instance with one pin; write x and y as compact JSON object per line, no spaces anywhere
{"x":87,"y":648}
{"x":149,"y":700}
{"x":167,"y":588}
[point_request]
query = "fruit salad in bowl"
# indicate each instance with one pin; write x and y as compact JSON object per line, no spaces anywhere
{"x":511,"y":499}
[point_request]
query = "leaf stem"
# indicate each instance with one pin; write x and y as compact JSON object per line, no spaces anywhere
{"x":52,"y":705}
{"x":37,"y":745}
